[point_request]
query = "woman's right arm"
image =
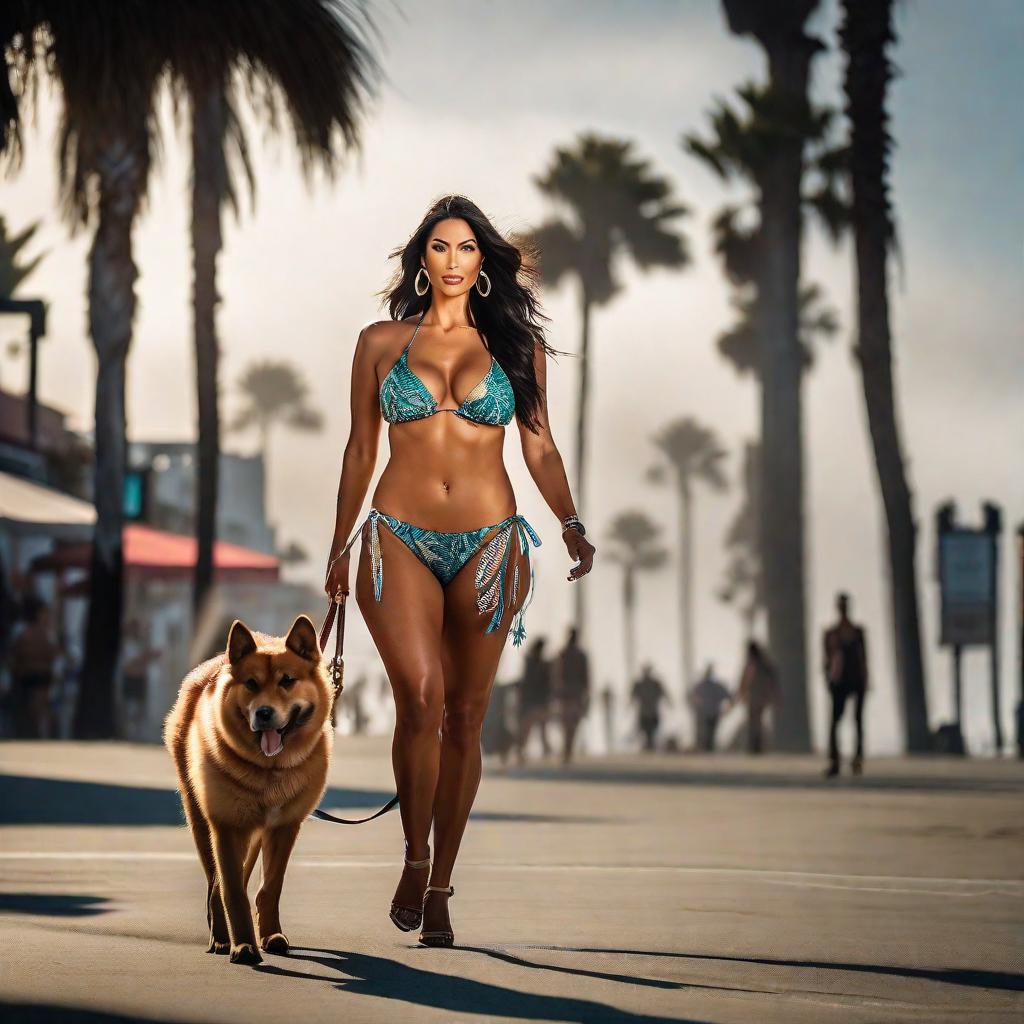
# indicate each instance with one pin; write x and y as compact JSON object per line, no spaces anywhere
{"x":360,"y":458}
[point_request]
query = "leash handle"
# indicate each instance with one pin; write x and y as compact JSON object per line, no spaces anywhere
{"x":336,"y":665}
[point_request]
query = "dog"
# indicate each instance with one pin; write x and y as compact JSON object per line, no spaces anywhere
{"x":251,"y":740}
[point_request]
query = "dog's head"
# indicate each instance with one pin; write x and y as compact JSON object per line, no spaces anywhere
{"x":276,"y":696}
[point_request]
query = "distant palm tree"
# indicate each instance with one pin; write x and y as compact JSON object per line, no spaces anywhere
{"x":109,"y":59}
{"x":634,"y":538}
{"x":694,"y":455}
{"x":13,"y":270}
{"x":321,"y":75}
{"x":273,"y":394}
{"x":743,"y":585}
{"x":616,"y":206}
{"x":739,"y":343}
{"x":293,"y":553}
{"x":769,"y":149}
{"x":865,"y":33}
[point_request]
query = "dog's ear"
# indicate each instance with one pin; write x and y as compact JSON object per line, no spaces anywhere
{"x":240,"y":641}
{"x":302,"y":639}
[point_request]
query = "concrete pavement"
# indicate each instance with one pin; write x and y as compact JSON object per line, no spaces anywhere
{"x":639,"y":889}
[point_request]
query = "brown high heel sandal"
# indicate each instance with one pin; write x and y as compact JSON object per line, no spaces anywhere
{"x":418,"y":911}
{"x":438,"y":937}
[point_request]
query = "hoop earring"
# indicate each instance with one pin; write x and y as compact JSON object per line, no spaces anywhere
{"x":416,"y":282}
{"x":483,"y":293}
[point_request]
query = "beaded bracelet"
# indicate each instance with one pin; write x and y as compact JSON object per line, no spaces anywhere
{"x":572,"y":522}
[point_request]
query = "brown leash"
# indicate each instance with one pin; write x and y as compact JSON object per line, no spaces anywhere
{"x":336,"y":667}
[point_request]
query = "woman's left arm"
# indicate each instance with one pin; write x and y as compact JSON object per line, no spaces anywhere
{"x":544,"y":462}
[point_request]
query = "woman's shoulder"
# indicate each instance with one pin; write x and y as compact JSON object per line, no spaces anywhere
{"x":384,"y":333}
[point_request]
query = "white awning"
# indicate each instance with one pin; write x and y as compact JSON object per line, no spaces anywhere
{"x":28,"y":507}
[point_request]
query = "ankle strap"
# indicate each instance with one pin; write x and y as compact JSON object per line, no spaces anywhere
{"x":425,"y":863}
{"x":448,"y":890}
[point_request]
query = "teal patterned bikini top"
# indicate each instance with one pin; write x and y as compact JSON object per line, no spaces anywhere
{"x":404,"y":397}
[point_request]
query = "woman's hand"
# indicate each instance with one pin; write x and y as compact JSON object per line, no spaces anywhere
{"x":336,"y":583}
{"x":581,"y":550}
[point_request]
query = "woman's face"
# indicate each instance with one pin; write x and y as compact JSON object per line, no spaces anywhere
{"x":453,"y":253}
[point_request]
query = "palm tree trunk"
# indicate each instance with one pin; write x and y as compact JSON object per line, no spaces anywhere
{"x":629,"y":615}
{"x":579,"y":612}
{"x":686,"y":586}
{"x":209,"y":187}
{"x":112,"y":275}
{"x":866,"y":31}
{"x":779,"y":29}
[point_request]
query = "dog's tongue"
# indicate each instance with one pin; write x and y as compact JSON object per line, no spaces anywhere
{"x":270,"y":742}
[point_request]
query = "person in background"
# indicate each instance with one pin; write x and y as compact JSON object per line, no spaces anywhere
{"x":571,"y":687}
{"x":136,"y":657}
{"x":31,"y":659}
{"x":759,"y":689}
{"x":648,"y":693}
{"x":708,"y":698}
{"x":534,"y":699}
{"x":497,"y":737}
{"x":846,"y":674}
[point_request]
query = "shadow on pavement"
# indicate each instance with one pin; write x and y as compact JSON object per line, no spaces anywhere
{"x":1001,"y":980}
{"x":388,"y":979}
{"x":42,"y":1013}
{"x":38,"y":801}
{"x":583,"y":972}
{"x":739,"y":779}
{"x":52,"y":905}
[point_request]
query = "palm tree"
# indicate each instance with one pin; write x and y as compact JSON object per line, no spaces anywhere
{"x":13,"y":272}
{"x":273,"y":393}
{"x":108,"y":69}
{"x":109,"y":59}
{"x":776,"y":156}
{"x":694,"y":454}
{"x":744,"y":579}
{"x":865,"y":33}
{"x":322,"y":77}
{"x":616,"y":206}
{"x":12,"y":268}
{"x":635,"y":547}
{"x":739,"y":343}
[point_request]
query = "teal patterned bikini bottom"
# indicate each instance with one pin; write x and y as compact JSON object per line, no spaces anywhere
{"x":445,"y":553}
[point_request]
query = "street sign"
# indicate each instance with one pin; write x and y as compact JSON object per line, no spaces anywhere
{"x":967,"y":583}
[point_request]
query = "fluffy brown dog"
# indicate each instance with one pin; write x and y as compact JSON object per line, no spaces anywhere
{"x":251,"y":740}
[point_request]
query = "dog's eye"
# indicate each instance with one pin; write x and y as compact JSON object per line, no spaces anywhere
{"x":286,"y":681}
{"x":251,"y":685}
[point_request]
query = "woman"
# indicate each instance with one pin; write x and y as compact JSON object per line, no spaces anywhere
{"x":454,"y":546}
{"x":759,"y":690}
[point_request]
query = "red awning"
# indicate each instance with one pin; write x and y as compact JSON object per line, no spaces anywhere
{"x":157,"y":554}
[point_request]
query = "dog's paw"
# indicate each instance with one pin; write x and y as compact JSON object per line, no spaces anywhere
{"x":276,"y":943}
{"x":220,"y":948}
{"x":245,"y":953}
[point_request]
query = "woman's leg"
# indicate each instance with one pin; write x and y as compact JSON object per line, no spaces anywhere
{"x":406,"y":628}
{"x":470,"y":659}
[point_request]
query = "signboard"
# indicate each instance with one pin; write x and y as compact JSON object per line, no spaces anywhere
{"x":135,"y":487}
{"x":967,"y":583}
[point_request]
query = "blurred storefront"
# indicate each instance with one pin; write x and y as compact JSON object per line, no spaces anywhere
{"x":158,"y":568}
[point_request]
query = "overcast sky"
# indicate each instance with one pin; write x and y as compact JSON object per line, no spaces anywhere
{"x":477,"y":97}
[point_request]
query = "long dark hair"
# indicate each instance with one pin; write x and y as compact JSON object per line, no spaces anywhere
{"x":508,"y":318}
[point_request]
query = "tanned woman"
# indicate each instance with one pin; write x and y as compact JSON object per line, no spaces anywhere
{"x":462,"y":355}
